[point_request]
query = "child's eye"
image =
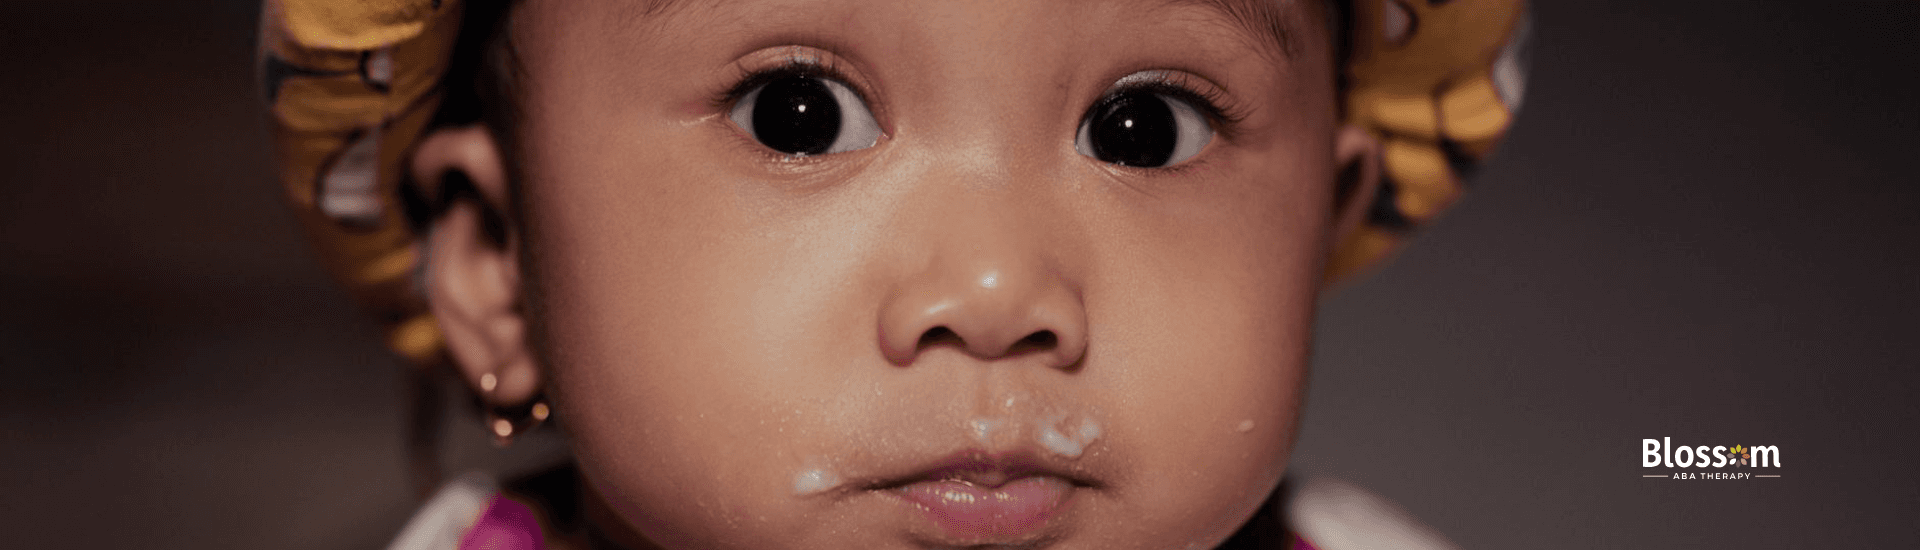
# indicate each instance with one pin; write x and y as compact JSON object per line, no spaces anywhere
{"x":806,"y":115}
{"x":1142,"y":128}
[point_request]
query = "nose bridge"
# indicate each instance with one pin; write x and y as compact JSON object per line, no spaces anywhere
{"x":994,"y":144}
{"x":984,"y":272}
{"x":996,"y":109}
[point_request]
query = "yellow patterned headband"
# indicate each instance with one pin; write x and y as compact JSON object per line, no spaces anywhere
{"x":353,"y":83}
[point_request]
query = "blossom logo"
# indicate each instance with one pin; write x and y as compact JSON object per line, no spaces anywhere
{"x":1657,"y":453}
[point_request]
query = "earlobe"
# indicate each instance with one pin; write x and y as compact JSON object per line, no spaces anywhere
{"x":472,"y":273}
{"x":1356,"y":180}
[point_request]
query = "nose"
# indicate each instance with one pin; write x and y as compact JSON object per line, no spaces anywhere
{"x":994,"y":295}
{"x":991,"y":310}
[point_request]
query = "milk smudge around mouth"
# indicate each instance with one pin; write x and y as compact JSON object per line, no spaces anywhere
{"x":983,"y":428}
{"x":813,"y":481}
{"x":1088,"y":431}
{"x":1069,"y":443}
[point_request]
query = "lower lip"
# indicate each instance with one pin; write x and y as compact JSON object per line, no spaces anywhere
{"x":972,"y":512}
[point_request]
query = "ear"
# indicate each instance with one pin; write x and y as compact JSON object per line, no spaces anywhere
{"x":472,"y":264}
{"x":1356,"y":186}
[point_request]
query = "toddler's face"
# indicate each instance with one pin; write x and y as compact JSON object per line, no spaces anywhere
{"x":843,"y":274}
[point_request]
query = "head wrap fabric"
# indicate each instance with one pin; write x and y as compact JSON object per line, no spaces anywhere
{"x":353,"y":84}
{"x":1438,"y":82}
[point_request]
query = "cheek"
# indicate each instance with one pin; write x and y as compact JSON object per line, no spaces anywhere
{"x":668,"y":319}
{"x":1205,"y":345}
{"x":691,"y":393}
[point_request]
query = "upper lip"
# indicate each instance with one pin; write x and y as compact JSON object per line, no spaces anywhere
{"x":986,"y":469}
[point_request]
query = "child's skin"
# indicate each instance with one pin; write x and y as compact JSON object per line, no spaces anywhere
{"x":743,"y":344}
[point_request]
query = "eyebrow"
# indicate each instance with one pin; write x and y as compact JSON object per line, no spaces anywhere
{"x":1265,"y":20}
{"x":657,"y":7}
{"x":643,"y":10}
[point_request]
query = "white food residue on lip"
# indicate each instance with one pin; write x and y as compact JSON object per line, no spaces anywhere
{"x":814,"y":481}
{"x":1245,"y":426}
{"x":1065,"y":444}
{"x":1059,"y":444}
{"x":983,"y":429}
{"x":1088,"y":430}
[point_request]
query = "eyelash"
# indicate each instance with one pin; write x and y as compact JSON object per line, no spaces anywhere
{"x":794,"y":67}
{"x":1220,"y":110}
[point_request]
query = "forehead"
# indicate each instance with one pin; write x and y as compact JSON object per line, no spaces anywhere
{"x":1272,"y":27}
{"x":1272,"y":24}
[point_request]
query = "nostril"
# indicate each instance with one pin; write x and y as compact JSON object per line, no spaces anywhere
{"x":938,"y":336}
{"x":943,"y":336}
{"x":1038,"y":341}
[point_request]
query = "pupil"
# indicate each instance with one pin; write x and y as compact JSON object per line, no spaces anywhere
{"x":1134,"y":129}
{"x":797,"y":116}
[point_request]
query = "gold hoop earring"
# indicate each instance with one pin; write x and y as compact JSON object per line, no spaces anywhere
{"x":507,"y":423}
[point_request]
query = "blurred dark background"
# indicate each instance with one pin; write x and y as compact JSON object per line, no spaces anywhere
{"x":1704,"y":227}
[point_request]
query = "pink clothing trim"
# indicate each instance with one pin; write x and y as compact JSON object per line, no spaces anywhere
{"x":506,"y":525}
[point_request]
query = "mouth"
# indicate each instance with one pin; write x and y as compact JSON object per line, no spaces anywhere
{"x":974,"y":497}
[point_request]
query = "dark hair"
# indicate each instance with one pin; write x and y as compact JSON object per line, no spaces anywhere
{"x":476,"y":89}
{"x":479,"y":71}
